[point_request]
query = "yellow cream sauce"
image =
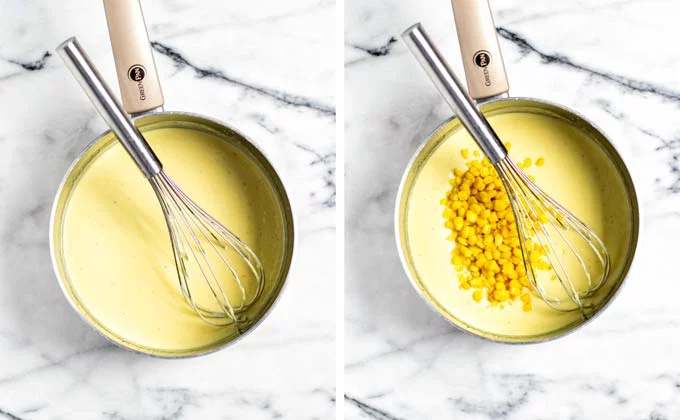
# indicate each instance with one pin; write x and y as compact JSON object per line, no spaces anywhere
{"x":577,"y":172}
{"x":117,"y":249}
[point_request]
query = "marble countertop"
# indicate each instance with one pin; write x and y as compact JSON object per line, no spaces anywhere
{"x":265,"y":67}
{"x":614,"y":61}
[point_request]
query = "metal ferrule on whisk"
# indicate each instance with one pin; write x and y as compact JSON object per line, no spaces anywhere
{"x":108,"y":107}
{"x":453,"y":93}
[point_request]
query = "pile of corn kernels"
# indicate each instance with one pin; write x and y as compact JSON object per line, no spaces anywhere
{"x":487,"y":252}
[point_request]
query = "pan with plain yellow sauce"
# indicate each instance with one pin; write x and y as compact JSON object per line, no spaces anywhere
{"x":111,"y":247}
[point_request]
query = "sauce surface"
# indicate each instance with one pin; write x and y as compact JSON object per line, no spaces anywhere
{"x":577,"y":172}
{"x":117,"y":248}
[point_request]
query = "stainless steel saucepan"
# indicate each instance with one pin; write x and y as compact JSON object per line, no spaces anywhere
{"x":419,"y":227}
{"x":143,"y":99}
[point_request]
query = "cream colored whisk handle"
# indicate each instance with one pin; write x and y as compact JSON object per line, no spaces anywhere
{"x":137,"y":77}
{"x":482,"y":59}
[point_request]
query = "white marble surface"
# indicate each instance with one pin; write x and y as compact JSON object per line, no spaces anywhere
{"x":265,"y":67}
{"x":616,"y":62}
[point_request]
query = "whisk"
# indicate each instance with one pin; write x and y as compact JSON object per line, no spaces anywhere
{"x":578,"y":257}
{"x":205,"y":251}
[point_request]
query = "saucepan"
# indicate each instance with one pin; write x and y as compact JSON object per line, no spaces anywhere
{"x":99,"y":241}
{"x":582,"y":169}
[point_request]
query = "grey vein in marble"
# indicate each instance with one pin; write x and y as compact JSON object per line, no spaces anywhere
{"x":625,"y":82}
{"x":28,"y":65}
{"x":371,"y":411}
{"x":284,"y":97}
{"x":327,"y":161}
{"x":253,"y":22}
{"x":9,"y":415}
{"x":378,"y":51}
{"x":517,"y":388}
{"x":38,"y":64}
{"x":52,"y":363}
{"x":671,"y":146}
{"x":400,"y":348}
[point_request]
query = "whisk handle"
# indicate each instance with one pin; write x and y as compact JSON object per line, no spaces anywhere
{"x":479,"y":49}
{"x":108,"y":106}
{"x":453,"y":92}
{"x":138,"y":82}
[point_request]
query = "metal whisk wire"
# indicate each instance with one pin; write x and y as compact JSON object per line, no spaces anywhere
{"x":538,"y":217}
{"x":190,"y":227}
{"x":530,"y":204}
{"x":200,"y":243}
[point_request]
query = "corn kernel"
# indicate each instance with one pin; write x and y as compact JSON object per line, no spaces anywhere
{"x":477,"y":295}
{"x":487,"y":251}
{"x":501,"y":295}
{"x":540,"y":161}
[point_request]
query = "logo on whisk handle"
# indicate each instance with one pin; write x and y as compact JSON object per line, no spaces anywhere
{"x":136,"y":73}
{"x":482,"y":58}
